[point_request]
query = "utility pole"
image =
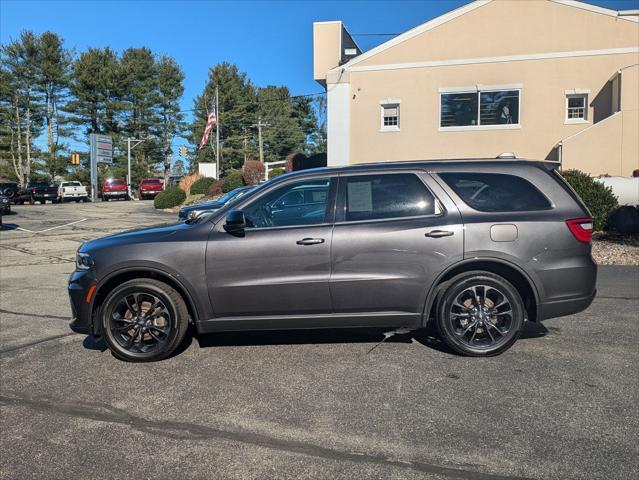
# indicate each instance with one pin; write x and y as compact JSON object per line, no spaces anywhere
{"x":217,"y":133}
{"x":128,"y":156}
{"x":259,"y":126}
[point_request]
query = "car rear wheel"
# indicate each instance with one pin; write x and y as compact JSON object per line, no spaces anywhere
{"x":144,"y":320}
{"x":480,"y":314}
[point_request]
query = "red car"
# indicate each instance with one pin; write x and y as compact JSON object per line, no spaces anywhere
{"x":114,"y":188}
{"x":150,"y":187}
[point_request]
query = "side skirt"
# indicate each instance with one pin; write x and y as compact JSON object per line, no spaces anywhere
{"x":295,"y":322}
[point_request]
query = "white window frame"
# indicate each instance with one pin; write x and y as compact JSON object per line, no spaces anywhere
{"x":478,"y":89}
{"x":576,"y":94}
{"x":385,"y":104}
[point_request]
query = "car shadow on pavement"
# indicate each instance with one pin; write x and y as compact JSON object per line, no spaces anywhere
{"x":8,"y":226}
{"x":373,"y":336}
{"x":91,"y":343}
{"x":299,"y":337}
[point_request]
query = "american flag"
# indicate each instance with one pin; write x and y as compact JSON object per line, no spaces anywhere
{"x":210,"y":123}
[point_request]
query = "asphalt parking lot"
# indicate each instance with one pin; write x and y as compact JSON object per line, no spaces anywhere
{"x":561,"y":404}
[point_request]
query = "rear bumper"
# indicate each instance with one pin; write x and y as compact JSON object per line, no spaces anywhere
{"x":570,"y":306}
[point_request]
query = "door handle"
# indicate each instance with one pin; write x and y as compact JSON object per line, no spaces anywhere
{"x":310,"y":241}
{"x":439,"y":233}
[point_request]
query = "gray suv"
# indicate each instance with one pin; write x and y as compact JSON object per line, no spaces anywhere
{"x":477,"y":247}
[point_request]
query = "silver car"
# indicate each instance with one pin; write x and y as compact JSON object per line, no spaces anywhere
{"x":474,"y":247}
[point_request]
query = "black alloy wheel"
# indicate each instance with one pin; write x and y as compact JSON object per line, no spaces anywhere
{"x":144,"y":320}
{"x":480,"y":314}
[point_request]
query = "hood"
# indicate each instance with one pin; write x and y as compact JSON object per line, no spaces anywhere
{"x":140,"y":235}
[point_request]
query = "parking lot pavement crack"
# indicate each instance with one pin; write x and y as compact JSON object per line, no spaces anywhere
{"x":102,"y":412}
{"x":37,"y":342}
{"x":29,"y":252}
{"x":36,"y":315}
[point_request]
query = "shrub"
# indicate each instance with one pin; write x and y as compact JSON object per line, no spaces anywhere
{"x":202,"y":185}
{"x":276,"y":172}
{"x":215,"y":189}
{"x":169,"y":198}
{"x":598,"y":198}
{"x":253,"y":172}
{"x":187,"y":182}
{"x":624,"y":220}
{"x":232,"y":180}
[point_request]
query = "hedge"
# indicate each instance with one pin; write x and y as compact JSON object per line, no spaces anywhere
{"x":202,"y":186}
{"x":276,"y":172}
{"x":232,"y":179}
{"x":171,"y":197}
{"x":598,"y":198}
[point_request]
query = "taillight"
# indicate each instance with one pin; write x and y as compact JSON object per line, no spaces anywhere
{"x":581,"y":228}
{"x":33,"y":190}
{"x":64,"y":190}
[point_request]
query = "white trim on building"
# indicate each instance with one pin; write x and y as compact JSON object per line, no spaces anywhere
{"x":338,"y":124}
{"x":499,"y":59}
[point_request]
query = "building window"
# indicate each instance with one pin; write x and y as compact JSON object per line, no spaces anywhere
{"x":390,"y":116}
{"x":577,"y":108}
{"x":481,"y":108}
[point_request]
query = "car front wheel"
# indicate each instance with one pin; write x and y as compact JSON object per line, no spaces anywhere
{"x":480,"y":314}
{"x":144,"y":320}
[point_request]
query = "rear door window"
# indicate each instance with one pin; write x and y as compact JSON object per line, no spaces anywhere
{"x":496,"y":192}
{"x":382,"y":196}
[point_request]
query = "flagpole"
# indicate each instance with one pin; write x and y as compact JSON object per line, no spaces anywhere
{"x":217,"y":134}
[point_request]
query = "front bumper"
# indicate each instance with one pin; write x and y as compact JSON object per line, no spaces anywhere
{"x":80,"y":282}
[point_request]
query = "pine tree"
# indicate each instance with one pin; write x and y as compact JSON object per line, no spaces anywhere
{"x":21,"y":102}
{"x":53,"y":75}
{"x":170,"y":89}
{"x":237,"y":109}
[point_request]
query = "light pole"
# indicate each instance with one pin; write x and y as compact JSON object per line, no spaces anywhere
{"x":128,"y":156}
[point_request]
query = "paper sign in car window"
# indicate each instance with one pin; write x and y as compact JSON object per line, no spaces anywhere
{"x":360,"y":197}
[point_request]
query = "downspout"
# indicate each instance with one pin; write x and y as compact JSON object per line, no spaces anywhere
{"x":560,"y":154}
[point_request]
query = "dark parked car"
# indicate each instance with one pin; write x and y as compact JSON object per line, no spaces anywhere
{"x":42,"y":191}
{"x":5,"y":206}
{"x":192,"y":211}
{"x":476,"y":247}
{"x":9,"y":189}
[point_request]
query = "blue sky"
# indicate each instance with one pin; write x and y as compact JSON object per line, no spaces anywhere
{"x":270,"y":40}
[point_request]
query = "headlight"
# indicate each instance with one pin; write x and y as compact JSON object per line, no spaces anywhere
{"x":83,"y":261}
{"x":193,"y":214}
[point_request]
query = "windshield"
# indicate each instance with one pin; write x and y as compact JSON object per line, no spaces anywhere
{"x":115,"y":182}
{"x":232,"y":194}
{"x":229,"y":206}
{"x":71,"y":184}
{"x":152,"y":180}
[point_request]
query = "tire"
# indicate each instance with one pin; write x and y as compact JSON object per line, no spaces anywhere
{"x":31,"y":201}
{"x":467,"y":331}
{"x":9,"y":193}
{"x":118,"y":313}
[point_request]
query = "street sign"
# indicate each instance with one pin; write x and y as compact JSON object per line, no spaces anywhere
{"x":101,"y":152}
{"x":101,"y":149}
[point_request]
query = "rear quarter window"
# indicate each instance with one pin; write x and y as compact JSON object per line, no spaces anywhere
{"x":496,"y":192}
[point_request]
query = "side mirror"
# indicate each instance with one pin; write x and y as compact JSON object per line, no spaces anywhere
{"x":235,"y":222}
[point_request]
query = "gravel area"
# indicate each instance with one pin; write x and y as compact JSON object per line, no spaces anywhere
{"x":614,"y":249}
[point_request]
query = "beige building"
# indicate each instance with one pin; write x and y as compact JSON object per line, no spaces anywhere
{"x":543,"y":79}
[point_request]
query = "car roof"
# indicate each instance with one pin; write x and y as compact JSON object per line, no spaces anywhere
{"x":426,"y":164}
